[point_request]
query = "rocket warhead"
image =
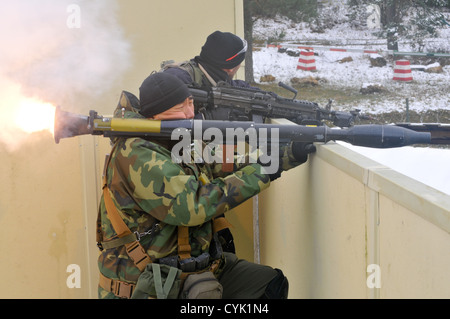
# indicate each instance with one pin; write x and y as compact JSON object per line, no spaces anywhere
{"x":381,"y":136}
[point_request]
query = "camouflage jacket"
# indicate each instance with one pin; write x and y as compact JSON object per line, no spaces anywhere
{"x":149,"y":188}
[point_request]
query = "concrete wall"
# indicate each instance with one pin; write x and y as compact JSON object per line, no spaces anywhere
{"x":323,"y":223}
{"x":173,"y":30}
{"x":351,"y":228}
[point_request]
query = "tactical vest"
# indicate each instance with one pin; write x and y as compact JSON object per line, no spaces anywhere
{"x":198,"y":77}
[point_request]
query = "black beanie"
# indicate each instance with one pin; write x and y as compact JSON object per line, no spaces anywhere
{"x":223,"y":50}
{"x":161,"y":91}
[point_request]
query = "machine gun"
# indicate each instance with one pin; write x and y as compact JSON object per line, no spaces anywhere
{"x":371,"y":135}
{"x":227,"y":103}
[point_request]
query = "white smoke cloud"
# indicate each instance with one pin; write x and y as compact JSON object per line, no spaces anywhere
{"x":55,"y":50}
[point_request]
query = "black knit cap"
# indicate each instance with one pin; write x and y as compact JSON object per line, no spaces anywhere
{"x":223,"y":50}
{"x":161,"y":91}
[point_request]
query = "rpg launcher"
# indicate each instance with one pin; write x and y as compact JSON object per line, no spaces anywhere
{"x":371,"y":135}
{"x":227,"y":103}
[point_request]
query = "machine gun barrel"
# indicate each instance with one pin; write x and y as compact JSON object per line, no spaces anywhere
{"x":376,"y":136}
{"x":227,"y":103}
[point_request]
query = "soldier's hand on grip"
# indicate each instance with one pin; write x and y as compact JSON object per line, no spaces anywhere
{"x":292,"y":155}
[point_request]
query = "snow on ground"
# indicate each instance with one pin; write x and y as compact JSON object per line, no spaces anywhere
{"x":430,"y":166}
{"x":428,"y":91}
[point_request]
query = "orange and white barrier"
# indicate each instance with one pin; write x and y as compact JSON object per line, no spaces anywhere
{"x":306,"y":61}
{"x":368,"y":51}
{"x":402,"y":71}
{"x":321,"y":48}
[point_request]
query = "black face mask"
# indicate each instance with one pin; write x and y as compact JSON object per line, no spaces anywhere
{"x":216,"y":73}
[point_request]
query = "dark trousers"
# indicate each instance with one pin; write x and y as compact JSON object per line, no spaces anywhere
{"x":242,"y":279}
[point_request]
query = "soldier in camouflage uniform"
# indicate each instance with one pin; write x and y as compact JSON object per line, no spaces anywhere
{"x":154,"y":193}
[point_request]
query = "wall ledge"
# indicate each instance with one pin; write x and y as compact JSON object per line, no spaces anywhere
{"x":423,"y":200}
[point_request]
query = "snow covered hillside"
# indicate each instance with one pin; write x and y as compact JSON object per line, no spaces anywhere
{"x":427,"y":91}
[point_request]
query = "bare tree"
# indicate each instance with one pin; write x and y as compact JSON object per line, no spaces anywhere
{"x":297,"y":10}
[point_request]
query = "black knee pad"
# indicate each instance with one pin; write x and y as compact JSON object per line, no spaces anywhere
{"x":278,"y":287}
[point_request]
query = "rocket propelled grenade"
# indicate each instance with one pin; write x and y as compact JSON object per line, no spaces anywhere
{"x":371,"y":135}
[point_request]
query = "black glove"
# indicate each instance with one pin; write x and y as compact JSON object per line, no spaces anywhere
{"x":293,"y":155}
{"x":300,"y":150}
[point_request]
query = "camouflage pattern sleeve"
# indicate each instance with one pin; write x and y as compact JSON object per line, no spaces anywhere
{"x":145,"y":178}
